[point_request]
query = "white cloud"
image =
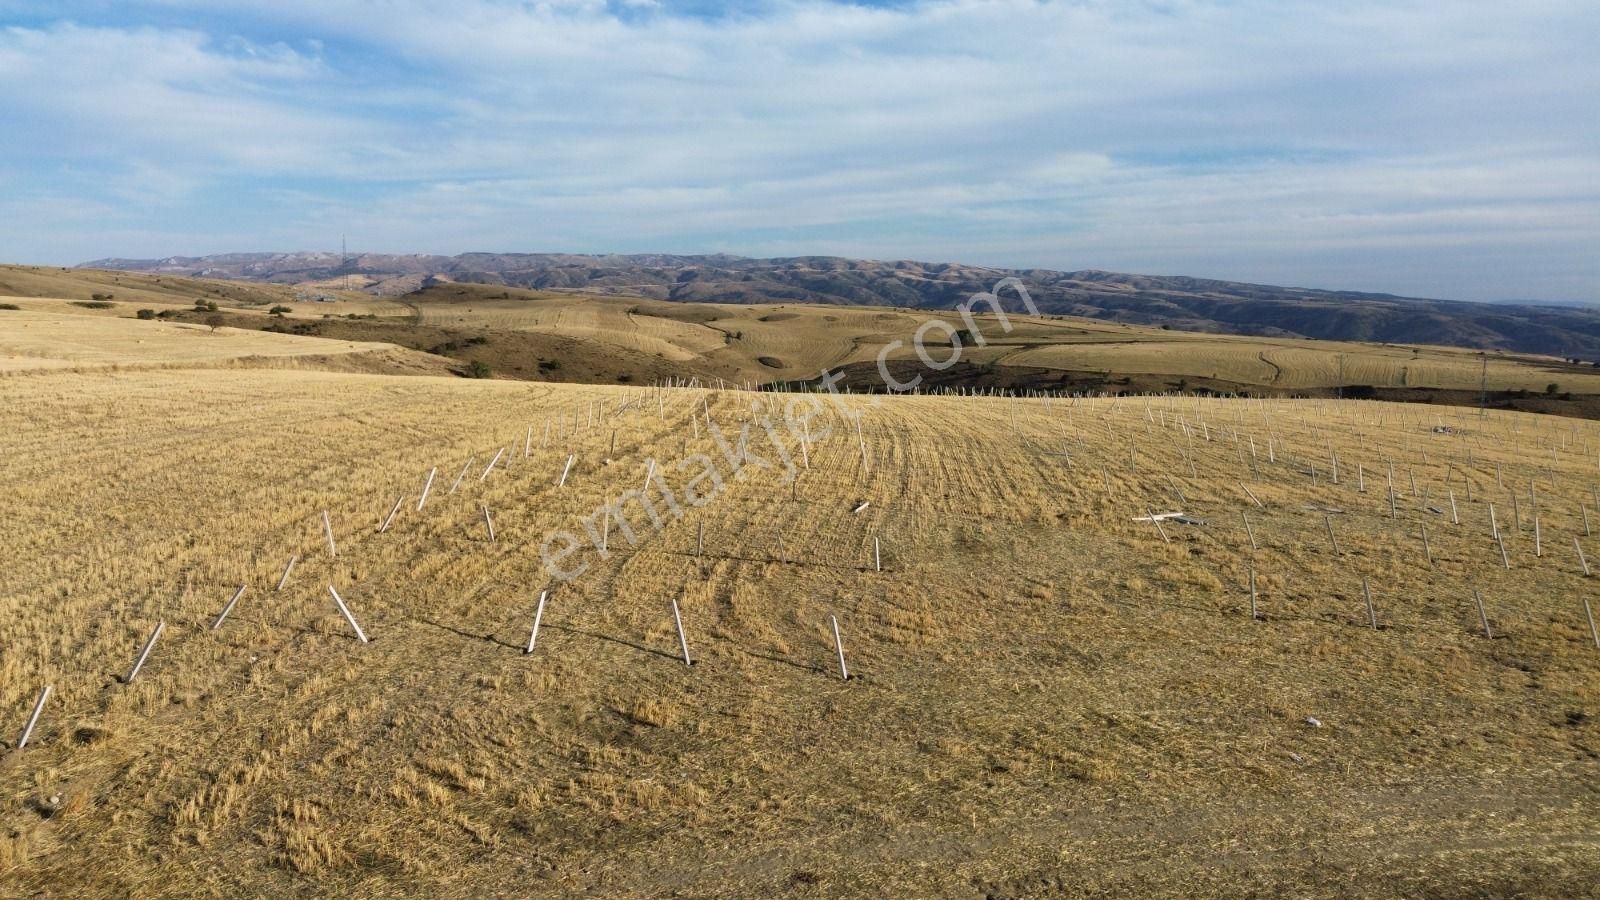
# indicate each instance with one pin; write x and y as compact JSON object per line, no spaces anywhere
{"x":1253,"y":139}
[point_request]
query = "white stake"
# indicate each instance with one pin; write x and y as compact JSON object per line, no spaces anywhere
{"x":877,"y":557}
{"x":426,"y":487}
{"x":227,"y":609}
{"x":1482,"y":616}
{"x":457,"y":483}
{"x":538,"y":615}
{"x":565,"y":470}
{"x":347,"y":617}
{"x":490,"y":467}
{"x":144,"y":654}
{"x":649,"y":473}
{"x":1579,"y":547}
{"x":1252,"y":496}
{"x":487,"y":521}
{"x":1159,"y":529}
{"x":397,"y":501}
{"x":38,"y":708}
{"x":1589,"y":614}
{"x":1249,"y":532}
{"x":284,"y":579}
{"x":1253,"y":593}
{"x":838,"y":644}
{"x":682,"y":641}
{"x":327,"y":528}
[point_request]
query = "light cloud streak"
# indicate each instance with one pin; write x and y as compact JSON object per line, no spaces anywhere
{"x":1403,"y":146}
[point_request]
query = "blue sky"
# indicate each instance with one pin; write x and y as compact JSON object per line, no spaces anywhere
{"x":1448,"y":150}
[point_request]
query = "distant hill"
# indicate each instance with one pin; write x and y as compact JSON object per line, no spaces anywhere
{"x":1190,"y":304}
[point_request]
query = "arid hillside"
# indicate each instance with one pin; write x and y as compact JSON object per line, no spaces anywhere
{"x":541,"y":335}
{"x":1188,"y":304}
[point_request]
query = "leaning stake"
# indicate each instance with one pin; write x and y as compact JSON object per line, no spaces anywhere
{"x":538,"y":614}
{"x":289,"y":567}
{"x":426,"y":487}
{"x":38,"y":709}
{"x":1483,"y":617}
{"x":390,"y":518}
{"x":227,"y":609}
{"x":144,"y":654}
{"x":347,"y":617}
{"x":682,"y":641}
{"x":838,"y":644}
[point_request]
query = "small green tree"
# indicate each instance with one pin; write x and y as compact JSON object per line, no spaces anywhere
{"x":478,"y":369}
{"x":215,"y":321}
{"x":146,"y":314}
{"x":1552,"y":388}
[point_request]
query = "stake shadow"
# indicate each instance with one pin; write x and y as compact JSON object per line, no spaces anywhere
{"x":490,"y":638}
{"x":798,"y":563}
{"x":615,"y":640}
{"x":804,"y":667}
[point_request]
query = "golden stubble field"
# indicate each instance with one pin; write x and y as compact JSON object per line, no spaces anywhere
{"x":1046,"y":695}
{"x":52,"y":335}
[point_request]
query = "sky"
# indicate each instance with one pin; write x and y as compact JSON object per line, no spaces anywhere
{"x":1422,"y":148}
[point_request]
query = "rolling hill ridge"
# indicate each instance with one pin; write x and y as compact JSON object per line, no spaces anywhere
{"x":1179,"y":302}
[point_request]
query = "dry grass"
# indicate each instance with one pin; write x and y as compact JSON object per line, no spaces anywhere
{"x":764,"y":343}
{"x":1050,"y":697}
{"x":600,"y":337}
{"x":52,"y":334}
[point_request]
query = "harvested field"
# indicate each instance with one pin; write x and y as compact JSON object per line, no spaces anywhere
{"x":46,"y":335}
{"x":1046,"y":694}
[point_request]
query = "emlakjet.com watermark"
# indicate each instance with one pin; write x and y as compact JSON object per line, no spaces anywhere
{"x":566,"y":554}
{"x":656,"y":503}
